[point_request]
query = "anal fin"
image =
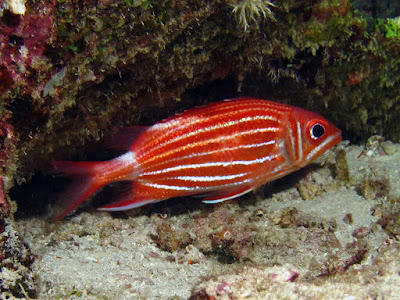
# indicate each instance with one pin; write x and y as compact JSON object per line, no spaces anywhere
{"x":220,"y":196}
{"x":126,"y":204}
{"x":127,"y":200}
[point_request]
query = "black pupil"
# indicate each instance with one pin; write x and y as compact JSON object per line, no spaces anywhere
{"x":317,"y":130}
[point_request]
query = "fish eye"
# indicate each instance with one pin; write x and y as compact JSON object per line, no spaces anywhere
{"x":316,"y":131}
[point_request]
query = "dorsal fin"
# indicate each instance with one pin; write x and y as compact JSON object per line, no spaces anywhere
{"x":123,"y":139}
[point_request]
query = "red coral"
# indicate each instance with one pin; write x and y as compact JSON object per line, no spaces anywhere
{"x":357,"y":77}
{"x":5,"y":79}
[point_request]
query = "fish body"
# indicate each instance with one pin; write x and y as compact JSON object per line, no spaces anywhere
{"x":219,"y":151}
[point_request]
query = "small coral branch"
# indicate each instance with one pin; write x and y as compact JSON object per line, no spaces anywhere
{"x":248,"y":11}
{"x":342,"y":266}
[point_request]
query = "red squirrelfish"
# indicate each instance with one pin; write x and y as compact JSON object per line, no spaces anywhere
{"x":219,"y":151}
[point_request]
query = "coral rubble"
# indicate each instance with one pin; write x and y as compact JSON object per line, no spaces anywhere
{"x":16,"y":277}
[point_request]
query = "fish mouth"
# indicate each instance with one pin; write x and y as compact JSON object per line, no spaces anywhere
{"x":337,"y":138}
{"x":333,"y":140}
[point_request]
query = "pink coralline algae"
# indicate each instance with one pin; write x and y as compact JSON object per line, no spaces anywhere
{"x":23,"y":40}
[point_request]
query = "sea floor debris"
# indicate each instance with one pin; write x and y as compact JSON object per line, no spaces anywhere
{"x":314,"y":233}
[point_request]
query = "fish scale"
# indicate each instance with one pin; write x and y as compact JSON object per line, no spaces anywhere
{"x":220,"y":135}
{"x":201,"y":118}
{"x":204,"y":144}
{"x":219,"y":151}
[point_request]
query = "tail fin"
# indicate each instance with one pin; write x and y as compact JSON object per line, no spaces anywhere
{"x":83,"y":185}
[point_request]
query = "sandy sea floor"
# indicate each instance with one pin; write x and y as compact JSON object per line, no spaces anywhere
{"x":326,"y":232}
